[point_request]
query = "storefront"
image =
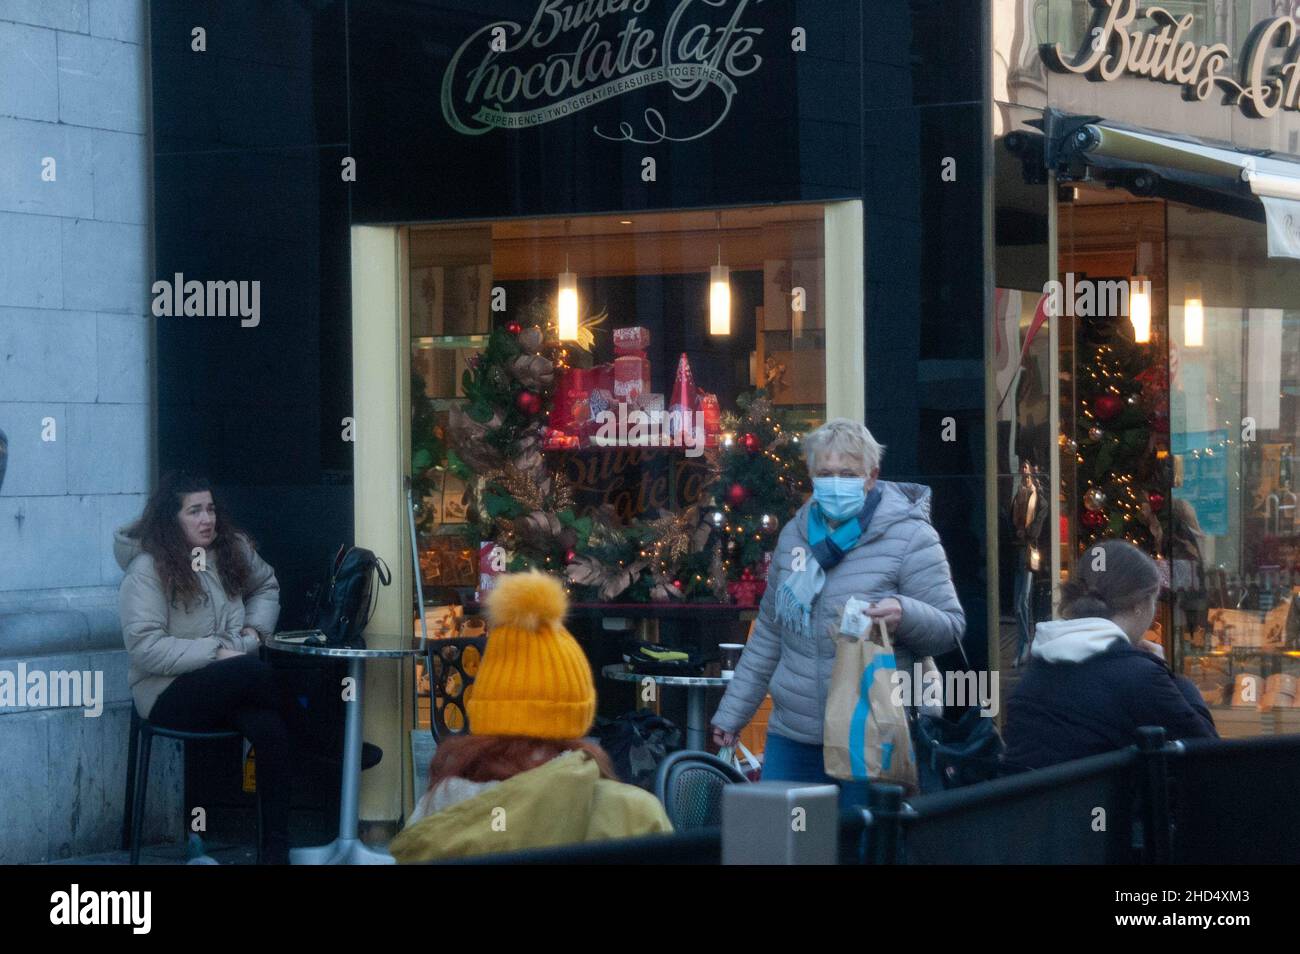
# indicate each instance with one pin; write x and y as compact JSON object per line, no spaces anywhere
{"x":609,"y":221}
{"x":1146,"y":163}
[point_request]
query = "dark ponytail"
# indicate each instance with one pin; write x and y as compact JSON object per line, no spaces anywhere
{"x":1111,"y":577}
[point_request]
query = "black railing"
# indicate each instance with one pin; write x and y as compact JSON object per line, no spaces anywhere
{"x":1202,"y":801}
{"x":1080,"y":812}
{"x":1233,"y":801}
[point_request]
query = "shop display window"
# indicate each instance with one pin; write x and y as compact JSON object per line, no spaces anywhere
{"x":1180,"y":420}
{"x":1021,"y":403}
{"x":614,"y":399}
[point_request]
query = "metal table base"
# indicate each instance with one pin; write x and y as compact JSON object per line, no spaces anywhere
{"x":697,"y":687}
{"x":347,"y":848}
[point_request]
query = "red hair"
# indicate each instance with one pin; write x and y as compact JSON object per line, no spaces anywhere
{"x":495,"y":758}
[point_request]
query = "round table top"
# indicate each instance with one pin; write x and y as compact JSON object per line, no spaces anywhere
{"x":279,"y":643}
{"x":620,"y":672}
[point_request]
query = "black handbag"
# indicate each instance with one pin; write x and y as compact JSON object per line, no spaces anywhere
{"x":952,"y":754}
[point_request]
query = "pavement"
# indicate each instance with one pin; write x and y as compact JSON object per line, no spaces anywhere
{"x":222,"y":854}
{"x":225,"y":853}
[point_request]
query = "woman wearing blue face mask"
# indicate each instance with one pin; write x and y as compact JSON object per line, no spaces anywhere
{"x":858,"y":536}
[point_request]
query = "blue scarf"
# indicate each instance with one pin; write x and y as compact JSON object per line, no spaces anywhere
{"x":800,"y":589}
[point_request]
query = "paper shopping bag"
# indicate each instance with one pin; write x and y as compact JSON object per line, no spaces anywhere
{"x":865,"y":733}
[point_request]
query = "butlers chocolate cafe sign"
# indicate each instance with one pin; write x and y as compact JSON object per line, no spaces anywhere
{"x":1126,"y":39}
{"x":575,"y":54}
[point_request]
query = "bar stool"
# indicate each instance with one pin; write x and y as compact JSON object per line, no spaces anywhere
{"x":137,"y":776}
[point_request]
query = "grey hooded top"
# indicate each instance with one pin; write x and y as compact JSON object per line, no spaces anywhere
{"x":901,"y":557}
{"x":164,"y":639}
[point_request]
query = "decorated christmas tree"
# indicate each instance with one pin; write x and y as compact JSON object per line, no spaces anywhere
{"x":495,"y":440}
{"x":1122,"y":437}
{"x":760,"y":480}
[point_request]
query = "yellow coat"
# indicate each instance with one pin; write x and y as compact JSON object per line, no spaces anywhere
{"x":562,"y":802}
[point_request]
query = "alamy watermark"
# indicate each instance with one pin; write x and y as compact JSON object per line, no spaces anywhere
{"x":133,"y":909}
{"x":211,"y":299}
{"x":1086,"y":298}
{"x":56,"y":689}
{"x":633,"y":427}
{"x":929,"y":688}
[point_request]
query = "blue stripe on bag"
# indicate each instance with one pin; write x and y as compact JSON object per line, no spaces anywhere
{"x":858,"y":727}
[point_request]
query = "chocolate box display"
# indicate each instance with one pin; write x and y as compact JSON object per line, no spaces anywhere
{"x":631,"y":378}
{"x":1250,"y":629}
{"x":631,"y":341}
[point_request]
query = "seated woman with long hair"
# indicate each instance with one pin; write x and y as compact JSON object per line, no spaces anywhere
{"x":525,"y":777}
{"x":195,"y":604}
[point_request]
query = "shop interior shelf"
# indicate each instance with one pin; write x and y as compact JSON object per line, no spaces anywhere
{"x":449,"y":342}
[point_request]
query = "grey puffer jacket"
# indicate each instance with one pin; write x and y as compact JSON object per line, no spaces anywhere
{"x":901,"y":557}
{"x":164,"y":639}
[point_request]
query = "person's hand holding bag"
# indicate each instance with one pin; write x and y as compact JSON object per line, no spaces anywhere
{"x":722,"y":738}
{"x":889,"y":609}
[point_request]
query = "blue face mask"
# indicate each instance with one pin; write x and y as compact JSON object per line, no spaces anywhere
{"x":839,"y":497}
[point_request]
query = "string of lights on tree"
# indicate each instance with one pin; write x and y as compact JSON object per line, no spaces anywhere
{"x":760,"y":481}
{"x":1121,"y":443}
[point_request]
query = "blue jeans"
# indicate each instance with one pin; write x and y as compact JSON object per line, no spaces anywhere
{"x":1024,"y":605}
{"x":785,"y":760}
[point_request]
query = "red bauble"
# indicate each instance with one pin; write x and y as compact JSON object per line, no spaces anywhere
{"x":528,"y":402}
{"x":1108,"y":406}
{"x":570,"y":555}
{"x":1156,"y":499}
{"x":1095,"y":519}
{"x":751,"y":443}
{"x":737,"y":495}
{"x":514,"y":327}
{"x":678,"y":584}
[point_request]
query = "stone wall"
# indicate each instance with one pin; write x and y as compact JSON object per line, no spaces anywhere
{"x":75,"y":406}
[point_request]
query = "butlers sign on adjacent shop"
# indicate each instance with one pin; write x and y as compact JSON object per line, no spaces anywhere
{"x":1268,"y":78}
{"x":575,"y":54}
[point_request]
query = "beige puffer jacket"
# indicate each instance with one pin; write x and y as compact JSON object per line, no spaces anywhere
{"x":165,"y":641}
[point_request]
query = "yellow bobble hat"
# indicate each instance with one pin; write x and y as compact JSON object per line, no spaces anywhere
{"x":534,"y":679}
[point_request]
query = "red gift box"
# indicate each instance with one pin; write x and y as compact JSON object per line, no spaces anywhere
{"x":631,"y":378}
{"x":712,"y":412}
{"x":569,"y":389}
{"x":602,"y":377}
{"x":631,"y":341}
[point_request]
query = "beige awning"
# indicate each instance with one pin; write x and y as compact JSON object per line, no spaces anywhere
{"x":1275,"y":182}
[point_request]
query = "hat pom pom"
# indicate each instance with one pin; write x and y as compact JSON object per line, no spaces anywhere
{"x":529,"y":601}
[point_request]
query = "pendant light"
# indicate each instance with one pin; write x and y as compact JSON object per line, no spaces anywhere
{"x":1139,"y":308}
{"x":567,"y":319}
{"x":719,"y":293}
{"x":1193,"y":315}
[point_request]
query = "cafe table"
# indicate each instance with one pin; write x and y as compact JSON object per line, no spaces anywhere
{"x":697,"y":687}
{"x":347,"y":848}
